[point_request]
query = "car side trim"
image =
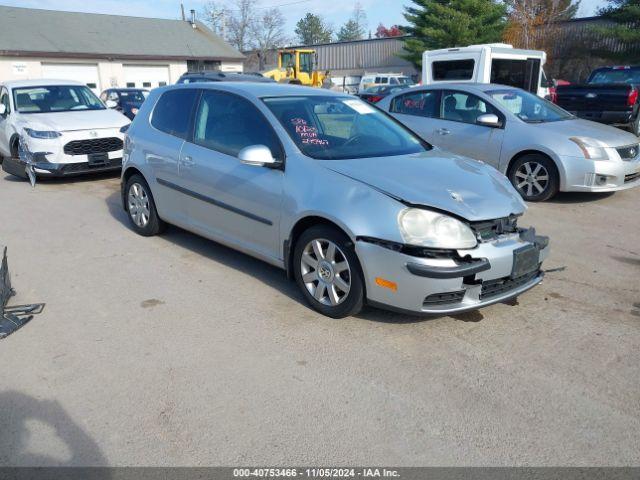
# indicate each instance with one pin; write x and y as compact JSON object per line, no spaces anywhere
{"x":215,"y":202}
{"x":449,"y":272}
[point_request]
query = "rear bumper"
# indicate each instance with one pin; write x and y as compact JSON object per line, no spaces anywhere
{"x":622,"y":119}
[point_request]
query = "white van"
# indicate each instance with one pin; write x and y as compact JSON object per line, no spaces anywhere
{"x":491,"y":63}
{"x":383,"y":80}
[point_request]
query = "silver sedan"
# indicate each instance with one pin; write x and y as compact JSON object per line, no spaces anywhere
{"x":540,"y":147}
{"x":351,"y":204}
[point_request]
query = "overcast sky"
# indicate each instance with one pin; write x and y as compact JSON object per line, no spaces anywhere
{"x":388,"y":12}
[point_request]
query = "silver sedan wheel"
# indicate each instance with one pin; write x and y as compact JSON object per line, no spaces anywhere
{"x":138,"y":204}
{"x":532,"y":179}
{"x":325,"y":272}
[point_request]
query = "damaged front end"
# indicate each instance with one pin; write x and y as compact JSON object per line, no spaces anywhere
{"x":23,"y":166}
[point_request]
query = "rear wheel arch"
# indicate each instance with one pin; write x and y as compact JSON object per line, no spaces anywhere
{"x":126,"y":175}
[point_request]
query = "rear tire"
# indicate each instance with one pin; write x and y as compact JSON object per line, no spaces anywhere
{"x":141,"y":208}
{"x":327,"y":271}
{"x":535,"y":177}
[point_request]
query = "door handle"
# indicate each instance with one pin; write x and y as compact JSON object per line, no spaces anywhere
{"x":187,"y":161}
{"x":443,"y":131}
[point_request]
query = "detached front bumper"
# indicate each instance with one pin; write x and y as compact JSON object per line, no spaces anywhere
{"x":49,"y":169}
{"x":599,"y":175}
{"x":445,"y":286}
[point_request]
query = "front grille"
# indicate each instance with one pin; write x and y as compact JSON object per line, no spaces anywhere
{"x":95,"y":145}
{"x":488,"y":230}
{"x":493,"y":288}
{"x":631,"y":177}
{"x":629,"y":153}
{"x":443,"y":298}
{"x":86,"y":167}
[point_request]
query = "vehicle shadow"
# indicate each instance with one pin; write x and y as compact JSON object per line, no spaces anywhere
{"x":579,"y":197}
{"x":18,"y":412}
{"x":218,"y":253}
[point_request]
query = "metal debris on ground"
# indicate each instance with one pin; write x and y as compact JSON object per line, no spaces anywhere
{"x":16,"y":317}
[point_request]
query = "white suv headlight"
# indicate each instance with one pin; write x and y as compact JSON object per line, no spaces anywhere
{"x":45,"y":134}
{"x":591,"y":148}
{"x":435,"y":230}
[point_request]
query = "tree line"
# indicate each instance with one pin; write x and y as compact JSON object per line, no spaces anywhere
{"x":430,"y":24}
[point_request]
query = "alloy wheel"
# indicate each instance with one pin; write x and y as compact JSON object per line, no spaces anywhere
{"x":532,"y":179}
{"x":138,"y":204}
{"x":325,"y":272}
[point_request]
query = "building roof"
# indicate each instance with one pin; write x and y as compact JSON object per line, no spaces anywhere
{"x":35,"y":32}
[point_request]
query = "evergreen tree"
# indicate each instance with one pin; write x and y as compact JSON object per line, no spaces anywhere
{"x":350,"y":31}
{"x":437,"y":24}
{"x":625,"y":15}
{"x":312,"y":30}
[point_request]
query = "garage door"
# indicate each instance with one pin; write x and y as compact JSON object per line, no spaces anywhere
{"x":146,"y":76}
{"x":80,"y":72}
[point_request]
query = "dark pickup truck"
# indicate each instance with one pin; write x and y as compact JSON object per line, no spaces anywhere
{"x":610,"y":96}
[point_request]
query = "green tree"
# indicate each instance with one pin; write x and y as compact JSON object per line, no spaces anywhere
{"x":312,"y":30}
{"x":625,"y":28}
{"x":437,"y":24}
{"x":350,"y":31}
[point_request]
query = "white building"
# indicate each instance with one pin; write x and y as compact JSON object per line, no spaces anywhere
{"x":107,"y":50}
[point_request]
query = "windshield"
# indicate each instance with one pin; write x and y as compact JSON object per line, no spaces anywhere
{"x":55,"y":98}
{"x":617,"y":75}
{"x":335,"y":128}
{"x":404,"y":81}
{"x":528,"y":107}
{"x":132,"y":96}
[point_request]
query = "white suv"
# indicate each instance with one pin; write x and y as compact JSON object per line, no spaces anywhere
{"x":57,"y":128}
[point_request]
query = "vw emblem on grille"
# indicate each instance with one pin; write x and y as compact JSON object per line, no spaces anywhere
{"x":591,"y":95}
{"x":93,"y":134}
{"x":456,"y":196}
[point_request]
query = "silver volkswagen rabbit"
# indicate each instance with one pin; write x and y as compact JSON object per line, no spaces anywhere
{"x":355,"y":207}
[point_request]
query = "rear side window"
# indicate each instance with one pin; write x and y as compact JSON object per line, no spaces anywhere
{"x":172,"y":113}
{"x":453,"y":69}
{"x":419,"y":104}
{"x":228,"y":123}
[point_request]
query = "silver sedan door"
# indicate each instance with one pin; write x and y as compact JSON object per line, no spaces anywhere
{"x":228,"y":200}
{"x":418,"y":110}
{"x":457,"y":129}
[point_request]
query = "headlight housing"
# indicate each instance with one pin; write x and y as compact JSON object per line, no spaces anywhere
{"x":592,"y":149}
{"x":434,"y":230}
{"x":42,"y":134}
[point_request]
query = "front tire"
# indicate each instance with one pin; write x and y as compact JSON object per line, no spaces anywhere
{"x":327,"y":270}
{"x":535,"y":177}
{"x":141,"y":207}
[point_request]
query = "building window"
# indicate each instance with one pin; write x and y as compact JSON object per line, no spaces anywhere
{"x":146,"y":84}
{"x":131,"y":85}
{"x":162,"y":84}
{"x":202,"y":65}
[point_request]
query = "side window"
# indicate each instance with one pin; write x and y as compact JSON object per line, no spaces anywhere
{"x":172,"y":113}
{"x":377,"y":80}
{"x":420,"y":104}
{"x":228,"y":123}
{"x":453,"y":69}
{"x":464,"y":107}
{"x":384,"y":80}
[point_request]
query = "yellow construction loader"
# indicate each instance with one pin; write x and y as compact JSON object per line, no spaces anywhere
{"x":296,"y":67}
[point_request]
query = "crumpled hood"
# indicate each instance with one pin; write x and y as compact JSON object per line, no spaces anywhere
{"x":75,"y":120}
{"x":464,"y":187}
{"x":613,"y":137}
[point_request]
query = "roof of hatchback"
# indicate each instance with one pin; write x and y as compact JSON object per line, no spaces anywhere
{"x":42,"y":82}
{"x":260,"y":90}
{"x":480,"y":87}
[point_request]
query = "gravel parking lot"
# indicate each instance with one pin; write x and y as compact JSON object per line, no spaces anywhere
{"x":174,"y":350}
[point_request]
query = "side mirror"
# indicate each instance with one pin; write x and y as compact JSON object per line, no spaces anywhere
{"x":3,"y":109}
{"x":111,"y":104}
{"x":489,"y":120}
{"x":257,"y":155}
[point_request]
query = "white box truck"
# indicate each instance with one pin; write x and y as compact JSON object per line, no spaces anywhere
{"x":491,"y":63}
